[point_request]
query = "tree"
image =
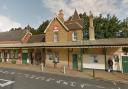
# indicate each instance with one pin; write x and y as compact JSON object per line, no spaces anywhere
{"x":85,"y":25}
{"x":42,"y":27}
{"x":124,"y":30}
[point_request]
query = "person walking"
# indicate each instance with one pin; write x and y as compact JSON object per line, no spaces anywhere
{"x":110,"y":65}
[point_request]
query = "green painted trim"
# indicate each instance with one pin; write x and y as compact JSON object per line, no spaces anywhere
{"x":81,"y":59}
{"x":105,"y":57}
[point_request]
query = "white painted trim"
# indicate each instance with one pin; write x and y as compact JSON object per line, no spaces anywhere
{"x":94,"y":66}
{"x":59,"y":21}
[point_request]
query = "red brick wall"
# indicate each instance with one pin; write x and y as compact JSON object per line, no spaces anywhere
{"x":26,"y":37}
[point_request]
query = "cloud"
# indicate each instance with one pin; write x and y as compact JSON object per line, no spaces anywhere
{"x":4,"y":7}
{"x":6,"y":24}
{"x":125,"y":1}
{"x":113,"y":7}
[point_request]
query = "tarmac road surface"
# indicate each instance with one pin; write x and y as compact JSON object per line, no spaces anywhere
{"x":22,"y":79}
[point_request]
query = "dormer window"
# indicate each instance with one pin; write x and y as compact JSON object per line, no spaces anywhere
{"x":56,"y":36}
{"x":74,"y":36}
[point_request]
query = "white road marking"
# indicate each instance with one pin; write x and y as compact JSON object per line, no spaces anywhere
{"x":119,"y":88}
{"x":65,"y":83}
{"x":37,"y":78}
{"x":27,"y":75}
{"x":7,"y":82}
{"x":73,"y":84}
{"x":59,"y":81}
{"x":49,"y":79}
{"x":6,"y":72}
{"x":12,"y":73}
{"x":32,"y":76}
{"x":42,"y":78}
{"x":114,"y":83}
{"x":19,"y":73}
{"x":100,"y":87}
{"x":82,"y":85}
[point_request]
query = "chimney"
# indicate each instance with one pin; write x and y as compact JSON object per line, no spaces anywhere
{"x":61,"y":15}
{"x":91,"y":27}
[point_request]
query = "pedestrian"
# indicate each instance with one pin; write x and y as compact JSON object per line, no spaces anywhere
{"x":110,"y":65}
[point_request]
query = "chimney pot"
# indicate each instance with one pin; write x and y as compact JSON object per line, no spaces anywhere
{"x":61,"y":15}
{"x":91,"y":27}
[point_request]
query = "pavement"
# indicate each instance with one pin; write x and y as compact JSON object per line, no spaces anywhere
{"x":97,"y":74}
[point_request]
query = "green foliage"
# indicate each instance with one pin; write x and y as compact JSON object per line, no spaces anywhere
{"x":0,"y":60}
{"x":42,"y":27}
{"x":105,"y":27}
{"x":125,"y":49}
{"x":39,"y":30}
{"x":85,"y":25}
{"x":13,"y":61}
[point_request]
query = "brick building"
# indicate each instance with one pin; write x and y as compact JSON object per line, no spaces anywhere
{"x":65,"y":39}
{"x":62,"y":44}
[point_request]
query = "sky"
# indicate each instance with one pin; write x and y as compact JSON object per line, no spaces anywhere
{"x":20,"y":13}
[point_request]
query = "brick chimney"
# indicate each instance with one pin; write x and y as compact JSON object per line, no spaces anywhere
{"x":61,"y":15}
{"x":91,"y":27}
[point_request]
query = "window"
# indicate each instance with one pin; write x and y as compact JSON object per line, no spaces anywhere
{"x":74,"y":36}
{"x":56,"y":37}
{"x":13,"y":54}
{"x":116,"y":58}
{"x":56,"y":57}
{"x":93,"y":59}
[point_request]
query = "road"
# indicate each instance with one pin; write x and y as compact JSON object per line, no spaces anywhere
{"x":21,"y":79}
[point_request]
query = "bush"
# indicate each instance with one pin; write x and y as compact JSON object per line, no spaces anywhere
{"x":0,"y":60}
{"x":13,"y":61}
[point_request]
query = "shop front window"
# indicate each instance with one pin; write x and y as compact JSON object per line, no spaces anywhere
{"x":93,"y":59}
{"x":56,"y":57}
{"x":116,"y":58}
{"x":15,"y":54}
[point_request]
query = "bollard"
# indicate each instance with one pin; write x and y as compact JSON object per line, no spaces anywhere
{"x":93,"y":73}
{"x":64,"y":71}
{"x":42,"y":67}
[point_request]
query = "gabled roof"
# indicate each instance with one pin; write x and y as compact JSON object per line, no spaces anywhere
{"x":15,"y":35}
{"x":37,"y":38}
{"x":75,"y":16}
{"x":73,"y":25}
{"x":56,"y":18}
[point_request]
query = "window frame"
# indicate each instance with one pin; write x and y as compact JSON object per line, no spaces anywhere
{"x":56,"y":36}
{"x":74,"y":36}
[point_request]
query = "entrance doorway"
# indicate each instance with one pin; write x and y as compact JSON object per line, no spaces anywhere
{"x":75,"y":61}
{"x":125,"y":64}
{"x":24,"y":58}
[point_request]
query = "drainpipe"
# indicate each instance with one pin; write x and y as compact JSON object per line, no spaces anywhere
{"x":81,"y":58}
{"x":105,"y":58}
{"x":68,"y":58}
